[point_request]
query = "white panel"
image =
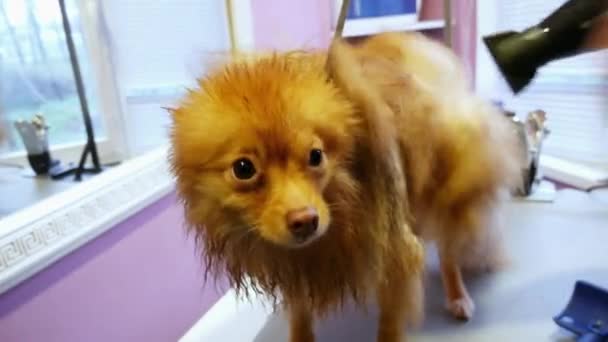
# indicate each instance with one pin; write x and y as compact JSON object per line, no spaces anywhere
{"x":148,"y":126}
{"x":164,"y":42}
{"x":159,"y":48}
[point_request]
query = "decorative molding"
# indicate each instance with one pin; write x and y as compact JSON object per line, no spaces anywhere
{"x":37,"y":236}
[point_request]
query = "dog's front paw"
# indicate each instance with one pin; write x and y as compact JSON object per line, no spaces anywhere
{"x":390,"y":336}
{"x":302,"y":336}
{"x":461,"y":308}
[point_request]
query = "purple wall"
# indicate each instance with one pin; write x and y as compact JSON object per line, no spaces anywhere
{"x":293,"y":24}
{"x":140,"y":281}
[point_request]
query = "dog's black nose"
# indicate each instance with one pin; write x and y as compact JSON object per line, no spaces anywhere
{"x":303,"y":222}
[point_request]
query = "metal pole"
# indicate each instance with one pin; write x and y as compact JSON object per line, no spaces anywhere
{"x":234,"y":48}
{"x":447,"y":17}
{"x":82,"y":97}
{"x":341,"y":19}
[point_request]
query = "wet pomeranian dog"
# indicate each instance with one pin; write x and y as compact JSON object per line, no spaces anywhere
{"x":309,"y":176}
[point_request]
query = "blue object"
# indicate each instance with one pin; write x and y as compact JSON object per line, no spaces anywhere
{"x":378,"y":8}
{"x":361,"y":9}
{"x":586,"y":313}
{"x":395,"y":7}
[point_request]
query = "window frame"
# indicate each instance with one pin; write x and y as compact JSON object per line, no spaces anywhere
{"x":487,"y":84}
{"x":113,"y":146}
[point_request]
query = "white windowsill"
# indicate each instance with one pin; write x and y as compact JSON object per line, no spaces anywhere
{"x":67,"y":153}
{"x":369,"y":26}
{"x":35,"y":237}
{"x":572,"y":173}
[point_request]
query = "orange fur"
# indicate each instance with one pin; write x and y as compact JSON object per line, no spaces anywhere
{"x":458,"y":153}
{"x":394,"y":137}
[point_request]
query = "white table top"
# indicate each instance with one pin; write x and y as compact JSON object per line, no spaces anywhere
{"x":551,"y":245}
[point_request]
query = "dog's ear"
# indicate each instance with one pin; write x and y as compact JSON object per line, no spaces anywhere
{"x":170,"y":110}
{"x":175,"y":111}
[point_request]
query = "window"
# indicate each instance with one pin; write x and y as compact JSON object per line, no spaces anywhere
{"x":572,"y":91}
{"x":36,"y":72}
{"x":136,"y":57}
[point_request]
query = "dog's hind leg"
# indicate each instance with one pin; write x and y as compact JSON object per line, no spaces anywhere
{"x":473,"y":244}
{"x":458,"y":300}
{"x":459,"y":231}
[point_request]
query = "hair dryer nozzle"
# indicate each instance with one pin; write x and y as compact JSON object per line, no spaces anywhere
{"x":517,"y":71}
{"x":519,"y":54}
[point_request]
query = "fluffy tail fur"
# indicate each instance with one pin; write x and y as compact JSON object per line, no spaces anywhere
{"x":380,"y":148}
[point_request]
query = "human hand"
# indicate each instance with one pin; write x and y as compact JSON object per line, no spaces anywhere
{"x":598,"y":36}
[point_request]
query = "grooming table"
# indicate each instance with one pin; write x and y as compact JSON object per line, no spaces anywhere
{"x":551,"y":245}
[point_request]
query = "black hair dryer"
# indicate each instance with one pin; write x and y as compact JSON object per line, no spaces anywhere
{"x":560,"y":35}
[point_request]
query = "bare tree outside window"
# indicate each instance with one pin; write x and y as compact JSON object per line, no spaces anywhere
{"x":36,"y":73}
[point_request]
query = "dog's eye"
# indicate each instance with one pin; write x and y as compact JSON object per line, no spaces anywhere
{"x":316,"y":157}
{"x":243,"y":169}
